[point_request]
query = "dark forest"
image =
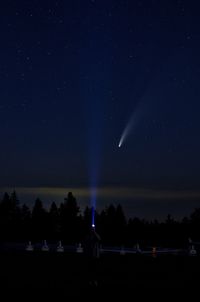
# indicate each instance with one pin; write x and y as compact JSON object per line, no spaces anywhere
{"x":19,"y":223}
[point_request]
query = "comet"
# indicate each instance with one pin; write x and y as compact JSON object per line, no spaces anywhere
{"x":132,"y":123}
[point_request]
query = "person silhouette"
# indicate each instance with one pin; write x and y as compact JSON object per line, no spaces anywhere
{"x":92,"y":252}
{"x":92,"y":244}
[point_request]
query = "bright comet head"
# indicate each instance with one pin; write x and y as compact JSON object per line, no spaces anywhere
{"x":120,"y":142}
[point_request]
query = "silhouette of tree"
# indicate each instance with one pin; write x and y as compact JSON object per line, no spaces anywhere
{"x":15,"y":215}
{"x":25,"y":213}
{"x":120,"y":217}
{"x":113,"y":225}
{"x":25,"y":222}
{"x":71,"y":206}
{"x":109,"y":231}
{"x":195,"y":223}
{"x":195,"y":216}
{"x":87,"y":218}
{"x":135,"y":230}
{"x":38,"y":211}
{"x":5,"y":206}
{"x":14,"y":200}
{"x":39,"y":221}
{"x":65,"y":222}
{"x":69,"y":218}
{"x":5,"y":217}
{"x":170,"y":220}
{"x":54,"y":221}
{"x":185,"y":220}
{"x":10,"y":216}
{"x":120,"y":226}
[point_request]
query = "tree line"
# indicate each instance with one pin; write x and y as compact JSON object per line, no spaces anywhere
{"x":66,"y":222}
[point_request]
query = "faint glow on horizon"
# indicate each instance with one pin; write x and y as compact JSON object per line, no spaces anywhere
{"x":103,"y":192}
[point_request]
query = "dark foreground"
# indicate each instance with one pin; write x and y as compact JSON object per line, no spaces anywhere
{"x":45,"y":275}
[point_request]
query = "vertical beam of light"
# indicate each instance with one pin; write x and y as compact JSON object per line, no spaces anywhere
{"x":94,"y":160}
{"x":93,"y":216}
{"x":95,"y":151}
{"x":93,"y":205}
{"x":94,"y":84}
{"x":93,"y":192}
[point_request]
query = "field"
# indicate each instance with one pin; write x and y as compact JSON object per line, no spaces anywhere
{"x":48,"y":274}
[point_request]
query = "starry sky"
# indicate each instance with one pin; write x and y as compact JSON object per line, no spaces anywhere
{"x":72,"y":73}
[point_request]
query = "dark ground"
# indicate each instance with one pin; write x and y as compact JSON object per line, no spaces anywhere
{"x":28,"y":275}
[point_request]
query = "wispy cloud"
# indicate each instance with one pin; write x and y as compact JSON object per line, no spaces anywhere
{"x":115,"y":193}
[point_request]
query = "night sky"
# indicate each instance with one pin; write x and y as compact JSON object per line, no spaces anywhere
{"x":72,"y":73}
